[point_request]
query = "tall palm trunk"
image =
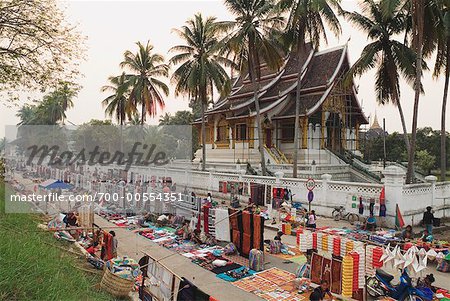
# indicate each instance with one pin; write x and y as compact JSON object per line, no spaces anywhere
{"x":444,"y":105}
{"x":418,"y":32}
{"x":402,"y":119}
{"x":301,"y":49}
{"x":203,"y":135}
{"x":121,"y":135}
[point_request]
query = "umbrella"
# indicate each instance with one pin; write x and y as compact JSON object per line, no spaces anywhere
{"x":59,"y":185}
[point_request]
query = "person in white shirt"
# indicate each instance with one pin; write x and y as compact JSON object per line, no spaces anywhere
{"x":312,"y":220}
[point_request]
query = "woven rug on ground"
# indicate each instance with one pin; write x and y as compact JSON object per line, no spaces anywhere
{"x":237,"y":259}
{"x":254,"y":283}
{"x":276,"y":275}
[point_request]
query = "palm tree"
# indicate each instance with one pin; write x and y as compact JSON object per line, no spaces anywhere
{"x":118,"y":104}
{"x":389,"y":56}
{"x":201,"y":66}
{"x":65,"y":93}
{"x":423,"y":36}
{"x":147,"y":67}
{"x":443,"y":66}
{"x":165,"y":119}
{"x":307,"y":19}
{"x":26,"y":114}
{"x":254,"y":37}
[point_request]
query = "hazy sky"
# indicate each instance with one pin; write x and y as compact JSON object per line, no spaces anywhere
{"x":114,"y":26}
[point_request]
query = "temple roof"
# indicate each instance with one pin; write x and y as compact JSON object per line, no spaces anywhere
{"x":319,"y":72}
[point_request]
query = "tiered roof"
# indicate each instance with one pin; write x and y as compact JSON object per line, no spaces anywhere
{"x":320,"y":72}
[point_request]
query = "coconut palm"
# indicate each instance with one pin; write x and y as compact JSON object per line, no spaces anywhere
{"x":146,"y":68}
{"x":390,"y":57}
{"x":165,"y":119}
{"x":423,"y":32}
{"x":443,"y":66}
{"x":201,"y":67}
{"x":253,"y":38}
{"x":26,"y":114}
{"x":307,"y":20}
{"x":117,"y":104}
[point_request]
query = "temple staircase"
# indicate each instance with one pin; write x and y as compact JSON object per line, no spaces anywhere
{"x":276,"y":155}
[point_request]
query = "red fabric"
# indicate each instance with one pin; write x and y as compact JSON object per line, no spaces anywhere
{"x":257,"y":235}
{"x":355,"y":270}
{"x":337,"y":245}
{"x":91,"y":250}
{"x":316,"y":268}
{"x":376,"y":256}
{"x":382,"y":197}
{"x":108,"y":244}
{"x":233,"y":219}
{"x":236,"y":239}
{"x":206,"y":219}
{"x":246,"y":226}
{"x":246,"y":240}
{"x":314,"y":236}
{"x":336,"y":276}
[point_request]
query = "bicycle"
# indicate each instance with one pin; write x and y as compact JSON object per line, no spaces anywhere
{"x":339,"y":213}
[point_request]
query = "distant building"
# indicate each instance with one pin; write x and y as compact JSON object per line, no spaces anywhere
{"x":375,"y":129}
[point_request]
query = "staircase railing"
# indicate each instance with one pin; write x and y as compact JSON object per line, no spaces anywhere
{"x":281,"y":154}
{"x":269,"y":151}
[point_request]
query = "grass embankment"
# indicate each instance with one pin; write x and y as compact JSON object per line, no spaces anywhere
{"x":31,"y":269}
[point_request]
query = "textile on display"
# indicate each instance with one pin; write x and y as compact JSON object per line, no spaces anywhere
{"x":247,"y":228}
{"x":206,"y":219}
{"x":236,"y":274}
{"x":355,"y":281}
{"x":258,"y":232}
{"x":325,"y":273}
{"x":316,"y":268}
{"x":336,"y":276}
{"x":222,"y":224}
{"x":107,"y":250}
{"x":347,"y":276}
{"x":123,"y":267}
{"x":256,"y":260}
{"x":235,"y":218}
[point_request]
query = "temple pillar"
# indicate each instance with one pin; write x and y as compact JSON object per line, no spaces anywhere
{"x":305,"y":132}
{"x":357,"y":136}
{"x":322,"y":131}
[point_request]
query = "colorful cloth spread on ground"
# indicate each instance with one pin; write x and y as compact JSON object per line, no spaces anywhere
{"x":273,"y":284}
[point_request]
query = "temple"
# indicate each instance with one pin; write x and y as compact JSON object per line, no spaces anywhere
{"x":330,"y":113}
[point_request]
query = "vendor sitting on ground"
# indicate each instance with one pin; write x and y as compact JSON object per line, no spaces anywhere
{"x":426,"y":237}
{"x":196,"y":237}
{"x":162,"y":220}
{"x":408,"y":233}
{"x":319,"y":292}
{"x":186,"y":230}
{"x":371,"y":223}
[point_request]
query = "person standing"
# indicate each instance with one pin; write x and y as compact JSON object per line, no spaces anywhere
{"x":312,"y":220}
{"x":428,"y":218}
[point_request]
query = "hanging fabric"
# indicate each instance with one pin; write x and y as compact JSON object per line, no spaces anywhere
{"x":258,"y":232}
{"x":222,"y":224}
{"x":361,"y":205}
{"x":206,"y":219}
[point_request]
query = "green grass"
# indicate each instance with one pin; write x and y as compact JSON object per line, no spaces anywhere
{"x":30,"y":269}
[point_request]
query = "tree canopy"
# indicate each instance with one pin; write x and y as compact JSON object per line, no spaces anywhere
{"x":38,"y":47}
